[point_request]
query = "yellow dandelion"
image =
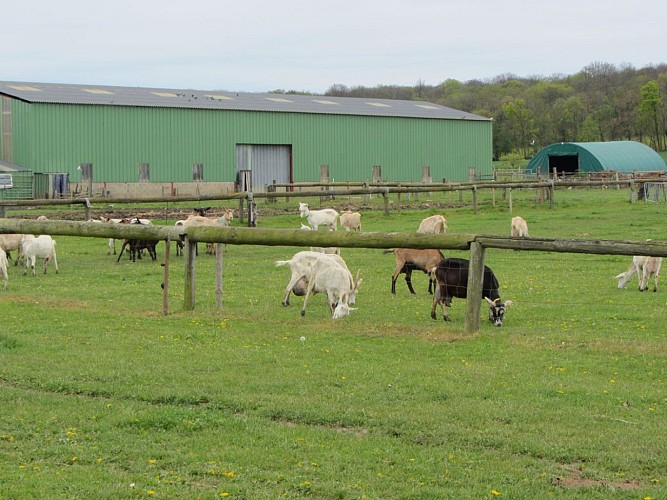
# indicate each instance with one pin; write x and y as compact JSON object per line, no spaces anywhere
{"x":152,"y":461}
{"x":150,"y":492}
{"x":495,"y":493}
{"x":224,"y":494}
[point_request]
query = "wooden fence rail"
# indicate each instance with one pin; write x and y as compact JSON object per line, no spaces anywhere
{"x":368,"y":189}
{"x":476,"y":244}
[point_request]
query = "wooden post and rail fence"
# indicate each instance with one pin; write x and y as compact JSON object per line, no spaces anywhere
{"x":476,"y":244}
{"x":346,"y":189}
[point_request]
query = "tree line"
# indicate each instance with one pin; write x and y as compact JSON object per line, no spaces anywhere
{"x":602,"y":102}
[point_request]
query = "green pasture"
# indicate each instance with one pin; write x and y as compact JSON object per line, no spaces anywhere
{"x":103,"y":396}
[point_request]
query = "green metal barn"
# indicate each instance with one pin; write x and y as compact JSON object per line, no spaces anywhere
{"x":148,"y":135}
{"x":618,"y":156}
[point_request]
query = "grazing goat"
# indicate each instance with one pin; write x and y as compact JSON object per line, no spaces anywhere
{"x":644,"y":267}
{"x":3,"y":266}
{"x":409,"y":259}
{"x":351,"y":221}
{"x":327,"y":250}
{"x":435,"y":224}
{"x":451,"y":277}
{"x":111,"y":242}
{"x":200,"y":220}
{"x":519,"y":227}
{"x":224,"y":220}
{"x":326,"y":217}
{"x":331,"y":278}
{"x":301,"y":266}
{"x":11,"y":242}
{"x":136,"y":246}
{"x":42,"y":246}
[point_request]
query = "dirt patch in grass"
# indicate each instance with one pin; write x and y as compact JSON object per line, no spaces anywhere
{"x":574,"y":479}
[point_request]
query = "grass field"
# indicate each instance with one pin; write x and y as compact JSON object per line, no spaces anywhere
{"x":104,"y":397}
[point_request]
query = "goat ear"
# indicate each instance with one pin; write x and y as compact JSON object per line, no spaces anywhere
{"x":508,"y":303}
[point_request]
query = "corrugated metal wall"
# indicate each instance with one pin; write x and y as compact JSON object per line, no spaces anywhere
{"x":58,"y":138}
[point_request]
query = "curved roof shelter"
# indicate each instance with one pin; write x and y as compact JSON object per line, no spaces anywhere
{"x":619,"y":156}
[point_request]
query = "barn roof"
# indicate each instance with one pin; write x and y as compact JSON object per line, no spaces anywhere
{"x":10,"y":167}
{"x":224,"y":100}
{"x":620,"y":156}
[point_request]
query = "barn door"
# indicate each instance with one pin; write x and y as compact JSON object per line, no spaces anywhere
{"x":267,"y":163}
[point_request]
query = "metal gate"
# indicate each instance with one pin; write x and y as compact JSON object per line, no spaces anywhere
{"x":267,"y":163}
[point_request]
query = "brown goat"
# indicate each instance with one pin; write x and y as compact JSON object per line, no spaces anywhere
{"x":409,"y":259}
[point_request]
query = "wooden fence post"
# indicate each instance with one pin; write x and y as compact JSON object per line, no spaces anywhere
{"x":475,"y":280}
{"x":551,"y":195}
{"x":510,"y":190}
{"x":165,"y":279}
{"x":219,"y":248}
{"x":190,"y":248}
{"x":385,"y":196}
{"x":398,"y":200}
{"x":474,"y":199}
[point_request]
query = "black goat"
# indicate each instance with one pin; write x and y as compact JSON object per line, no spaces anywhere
{"x":136,"y":246}
{"x":451,"y":276}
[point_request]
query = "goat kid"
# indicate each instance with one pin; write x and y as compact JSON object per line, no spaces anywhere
{"x":42,"y":246}
{"x":519,"y":227}
{"x":351,"y":221}
{"x":326,"y":217}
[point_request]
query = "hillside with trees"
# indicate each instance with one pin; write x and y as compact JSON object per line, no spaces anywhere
{"x":602,"y":102}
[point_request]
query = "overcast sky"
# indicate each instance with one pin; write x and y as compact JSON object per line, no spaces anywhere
{"x":263,"y":45}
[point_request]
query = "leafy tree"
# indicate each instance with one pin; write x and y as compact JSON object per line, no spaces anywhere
{"x":521,"y":124}
{"x":601,"y":102}
{"x":649,"y":110}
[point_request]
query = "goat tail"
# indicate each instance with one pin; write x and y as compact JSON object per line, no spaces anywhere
{"x":282,"y":263}
{"x":388,"y":250}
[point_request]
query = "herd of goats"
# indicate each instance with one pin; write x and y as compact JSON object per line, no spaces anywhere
{"x":323,"y":270}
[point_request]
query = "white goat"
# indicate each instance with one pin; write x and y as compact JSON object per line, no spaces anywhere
{"x":111,"y":243}
{"x":435,"y":224}
{"x":3,"y":266}
{"x":200,"y":220}
{"x":327,"y":250}
{"x":326,"y":217}
{"x":519,"y":227}
{"x":301,"y":266}
{"x":42,"y":246}
{"x":644,"y":267}
{"x":224,"y":220}
{"x":11,"y":242}
{"x":328,"y":276}
{"x":351,"y":221}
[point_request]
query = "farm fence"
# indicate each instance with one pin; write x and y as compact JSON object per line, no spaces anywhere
{"x":477,"y":244}
{"x":545,"y":189}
